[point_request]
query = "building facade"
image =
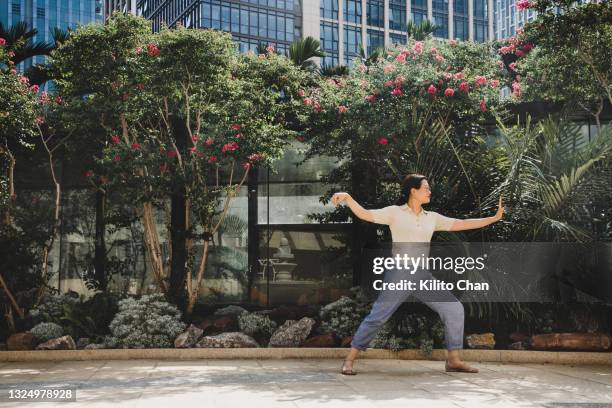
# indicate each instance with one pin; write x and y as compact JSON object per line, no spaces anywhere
{"x":44,"y":15}
{"x":341,"y":25}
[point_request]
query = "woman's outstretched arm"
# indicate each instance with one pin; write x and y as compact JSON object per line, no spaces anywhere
{"x":357,"y":209}
{"x":474,"y":223}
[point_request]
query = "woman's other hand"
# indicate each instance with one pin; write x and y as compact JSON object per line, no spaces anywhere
{"x":338,"y":198}
{"x":500,"y":210}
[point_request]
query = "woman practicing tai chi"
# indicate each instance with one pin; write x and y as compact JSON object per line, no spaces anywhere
{"x":409,"y":222}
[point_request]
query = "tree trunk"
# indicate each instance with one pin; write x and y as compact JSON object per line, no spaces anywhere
{"x":178,"y":229}
{"x":100,"y":242}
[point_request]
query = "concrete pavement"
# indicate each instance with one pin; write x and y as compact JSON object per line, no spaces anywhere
{"x":301,"y":383}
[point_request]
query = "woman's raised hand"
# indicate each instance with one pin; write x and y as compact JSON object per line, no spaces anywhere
{"x":337,"y":198}
{"x":500,"y":210}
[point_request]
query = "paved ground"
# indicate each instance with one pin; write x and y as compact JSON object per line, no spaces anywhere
{"x":310,"y":383}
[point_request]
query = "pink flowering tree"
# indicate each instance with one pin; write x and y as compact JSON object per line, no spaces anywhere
{"x":92,"y":69}
{"x":18,"y":110}
{"x":570,"y":61}
{"x":187,"y":119}
{"x":409,"y":111}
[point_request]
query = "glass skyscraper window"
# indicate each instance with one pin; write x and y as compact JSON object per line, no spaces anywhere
{"x":329,"y":43}
{"x":480,"y":21}
{"x":440,"y":17}
{"x":418,"y":11}
{"x":352,"y":11}
{"x":460,"y":19}
{"x":397,"y":38}
{"x":329,"y":9}
{"x":329,"y":36}
{"x":375,"y":40}
{"x":397,"y":14}
{"x":375,"y":12}
{"x":44,"y":15}
{"x":267,"y":25}
{"x":352,"y":39}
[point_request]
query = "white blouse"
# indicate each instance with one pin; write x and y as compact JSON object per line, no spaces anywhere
{"x":407,"y":226}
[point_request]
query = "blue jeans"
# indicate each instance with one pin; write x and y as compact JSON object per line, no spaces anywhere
{"x":443,"y":302}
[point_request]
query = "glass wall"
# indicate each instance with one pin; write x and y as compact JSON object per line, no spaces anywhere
{"x":298,"y":259}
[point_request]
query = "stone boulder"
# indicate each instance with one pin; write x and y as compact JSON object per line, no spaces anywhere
{"x":292,"y":312}
{"x":292,"y":333}
{"x":82,"y":342}
{"x":323,"y":340}
{"x":189,"y":337}
{"x":21,"y":341}
{"x":95,"y":346}
{"x":481,"y":341}
{"x":60,"y":343}
{"x":571,"y":341}
{"x":227,"y":340}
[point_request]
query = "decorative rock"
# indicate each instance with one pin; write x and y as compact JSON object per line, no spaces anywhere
{"x":346,"y":341}
{"x":292,"y":333}
{"x":95,"y":346}
{"x":227,"y":340}
{"x":481,"y":341}
{"x":22,"y":341}
{"x":571,"y":341}
{"x":519,"y":345}
{"x":189,"y":337}
{"x":293,"y":312}
{"x":60,"y":343}
{"x":82,"y":342}
{"x":231,"y":310}
{"x":324,"y":340}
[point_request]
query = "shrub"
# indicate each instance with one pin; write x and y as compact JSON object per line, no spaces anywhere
{"x":51,"y":309}
{"x":342,"y":316}
{"x":47,"y":331}
{"x":256,"y":325}
{"x":149,"y":322}
{"x":410,"y":331}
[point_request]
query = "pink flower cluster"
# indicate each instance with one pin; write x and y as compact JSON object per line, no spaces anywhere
{"x":153,"y":50}
{"x":231,"y":146}
{"x":522,"y":4}
{"x":2,"y":42}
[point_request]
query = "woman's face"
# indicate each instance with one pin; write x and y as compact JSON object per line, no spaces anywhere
{"x":423,"y":194}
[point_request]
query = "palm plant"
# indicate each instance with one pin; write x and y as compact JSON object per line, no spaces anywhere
{"x":302,"y":50}
{"x":20,"y":40}
{"x":330,"y":71}
{"x":420,"y":31}
{"x":547,"y":165}
{"x":374,"y":55}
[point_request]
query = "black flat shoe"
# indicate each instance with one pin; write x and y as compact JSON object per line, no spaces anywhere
{"x":459,"y":369}
{"x":347,"y":372}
